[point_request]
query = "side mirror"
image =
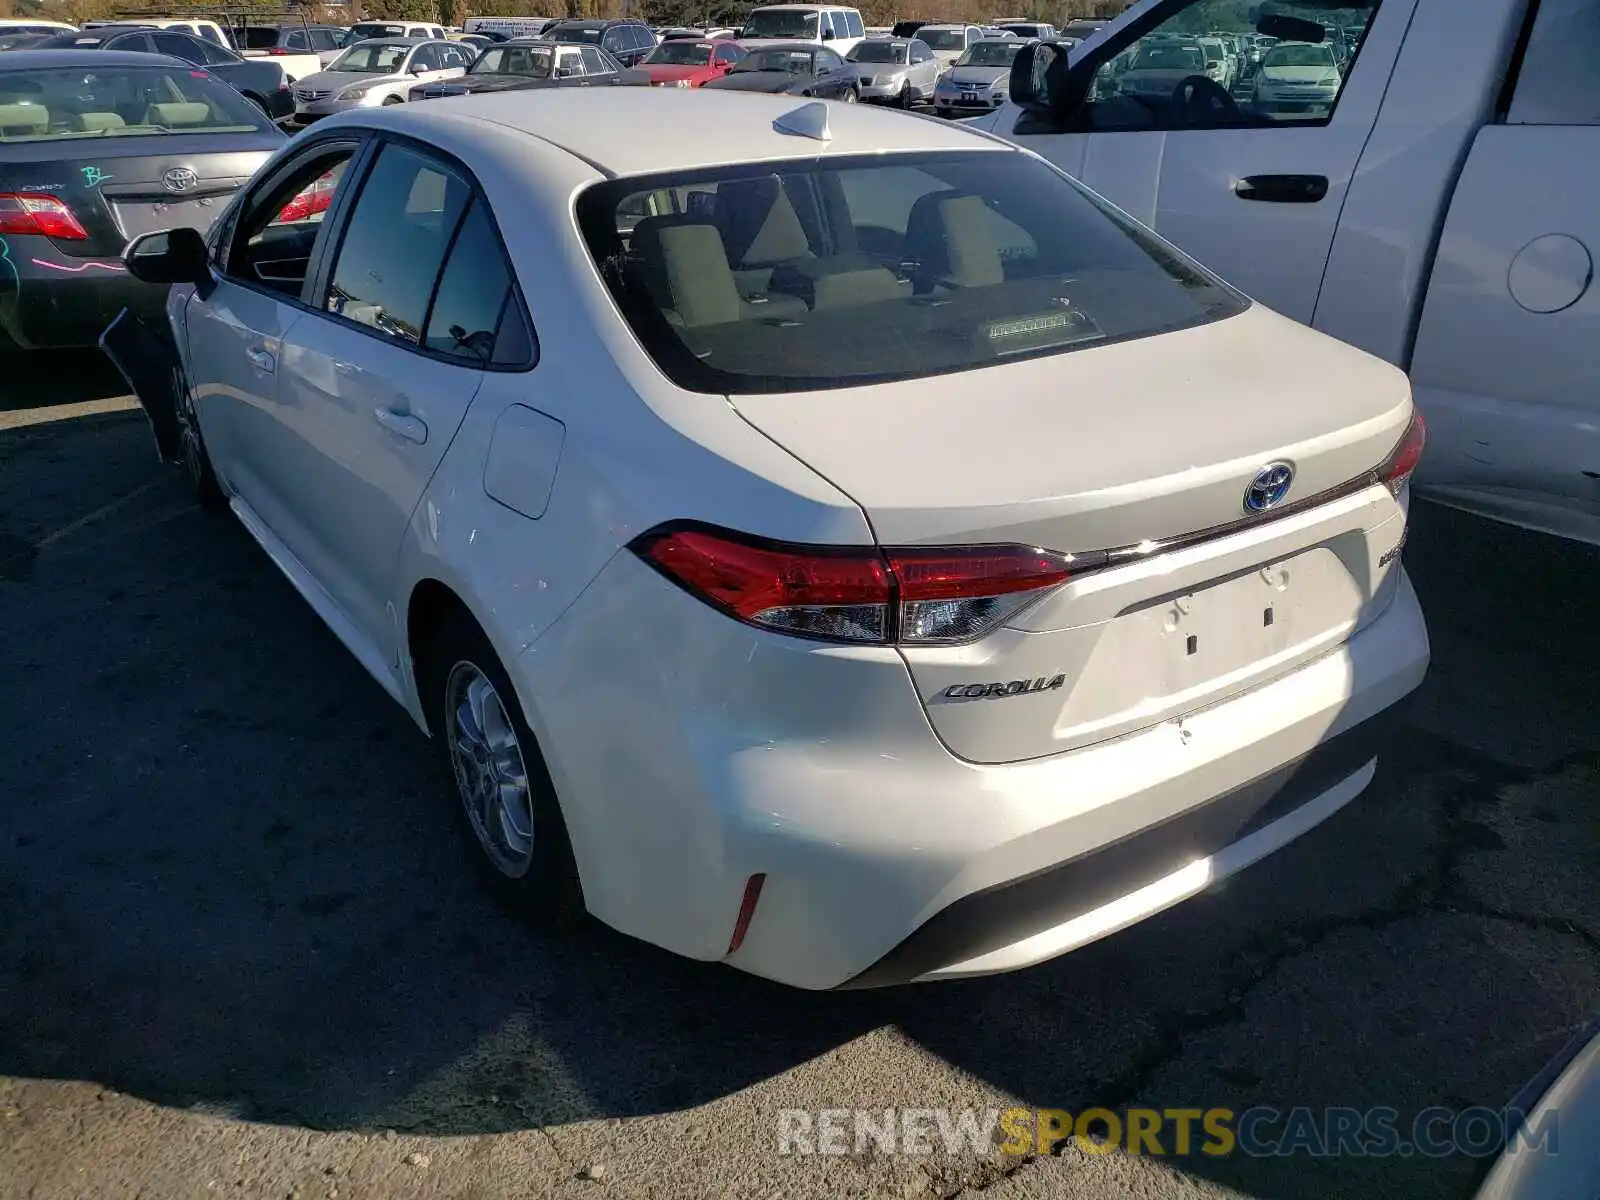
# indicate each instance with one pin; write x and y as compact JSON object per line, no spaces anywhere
{"x":1039,"y":79}
{"x":168,"y":256}
{"x":827,"y":35}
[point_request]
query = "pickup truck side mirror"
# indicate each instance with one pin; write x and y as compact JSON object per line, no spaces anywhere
{"x":1041,"y":82}
{"x":168,"y":256}
{"x":827,"y":35}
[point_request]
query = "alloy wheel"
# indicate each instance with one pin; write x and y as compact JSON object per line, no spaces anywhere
{"x":491,"y":777}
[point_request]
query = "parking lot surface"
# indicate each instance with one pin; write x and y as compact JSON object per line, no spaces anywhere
{"x":241,"y":953}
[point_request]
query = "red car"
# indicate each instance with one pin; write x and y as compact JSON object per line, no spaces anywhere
{"x":684,"y":63}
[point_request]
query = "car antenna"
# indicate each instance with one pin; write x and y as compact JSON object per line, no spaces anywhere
{"x":809,"y":120}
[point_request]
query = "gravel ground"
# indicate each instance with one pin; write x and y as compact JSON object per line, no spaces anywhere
{"x":241,"y":955}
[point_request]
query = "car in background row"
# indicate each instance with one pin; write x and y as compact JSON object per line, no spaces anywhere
{"x":18,"y":26}
{"x":97,"y":147}
{"x":949,"y":42}
{"x":626,"y":41}
{"x":260,"y":81}
{"x":799,"y":68}
{"x":365,"y":30}
{"x":377,"y":71}
{"x":839,"y":27}
{"x":524,"y":64}
{"x":685,"y":63}
{"x":898,"y":705}
{"x":980,"y":79}
{"x":895,"y":70}
{"x":210,"y":30}
{"x":1027,"y":29}
{"x":326,"y":42}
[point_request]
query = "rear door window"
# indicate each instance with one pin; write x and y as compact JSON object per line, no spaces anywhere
{"x":593,"y":64}
{"x":475,"y":290}
{"x":394,"y":243}
{"x":179,"y":46}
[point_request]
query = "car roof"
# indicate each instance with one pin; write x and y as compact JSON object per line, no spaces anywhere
{"x":641,"y":131}
{"x":39,"y":60}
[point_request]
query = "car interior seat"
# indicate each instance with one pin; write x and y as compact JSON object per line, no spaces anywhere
{"x":950,"y":239}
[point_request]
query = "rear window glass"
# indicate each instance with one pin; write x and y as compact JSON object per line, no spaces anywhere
{"x":63,"y":103}
{"x":806,"y":275}
{"x":375,"y":29}
{"x":257,"y":38}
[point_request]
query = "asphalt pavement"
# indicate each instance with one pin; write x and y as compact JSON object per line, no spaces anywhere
{"x":241,"y":955}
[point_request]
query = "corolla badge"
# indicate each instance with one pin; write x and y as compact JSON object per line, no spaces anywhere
{"x":1269,"y":487}
{"x":180,"y":179}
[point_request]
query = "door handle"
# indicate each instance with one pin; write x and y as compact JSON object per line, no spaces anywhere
{"x":1282,"y":189}
{"x":261,"y":358}
{"x":413,"y":429}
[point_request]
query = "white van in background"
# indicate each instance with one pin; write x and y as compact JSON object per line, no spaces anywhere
{"x":841,"y":28}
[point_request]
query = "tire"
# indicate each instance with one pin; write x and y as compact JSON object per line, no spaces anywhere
{"x":387,"y":100}
{"x":537,"y":881}
{"x":850,"y":96}
{"x":197,"y":466}
{"x":906,"y":98}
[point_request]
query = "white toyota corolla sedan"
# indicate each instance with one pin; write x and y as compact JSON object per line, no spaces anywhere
{"x":818,"y":539}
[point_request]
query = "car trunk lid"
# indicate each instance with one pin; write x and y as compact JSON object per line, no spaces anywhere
{"x":1134,"y":448}
{"x":120,"y":188}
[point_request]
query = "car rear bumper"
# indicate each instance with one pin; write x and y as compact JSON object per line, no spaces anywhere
{"x":52,"y":301}
{"x":885,"y":858}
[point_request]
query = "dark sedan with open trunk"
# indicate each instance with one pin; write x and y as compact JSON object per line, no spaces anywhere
{"x":97,"y":147}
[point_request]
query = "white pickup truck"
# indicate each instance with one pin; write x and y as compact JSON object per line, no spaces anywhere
{"x":1430,"y":193}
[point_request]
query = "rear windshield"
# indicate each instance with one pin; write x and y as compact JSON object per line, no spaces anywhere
{"x":1169,"y":58}
{"x":589,"y":35}
{"x":680,"y":54}
{"x":75,"y":102}
{"x":805,"y":275}
{"x":258,"y":38}
{"x":533,"y":61}
{"x":943,"y":39}
{"x":376,"y":29}
{"x":990,"y":54}
{"x":879,"y":52}
{"x":379,"y":58}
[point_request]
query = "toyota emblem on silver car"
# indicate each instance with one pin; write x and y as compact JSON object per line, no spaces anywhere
{"x":180,"y":179}
{"x":1269,"y":487}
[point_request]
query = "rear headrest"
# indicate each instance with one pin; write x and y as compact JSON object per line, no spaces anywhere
{"x":24,"y":116}
{"x":694,"y":269}
{"x":174,"y":113}
{"x":758,"y":222}
{"x":951,"y":235}
{"x":846,"y":288}
{"x":94,"y":121}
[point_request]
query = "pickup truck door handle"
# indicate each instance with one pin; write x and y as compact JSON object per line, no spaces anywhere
{"x":1282,"y":189}
{"x":261,"y":358}
{"x":413,"y":429}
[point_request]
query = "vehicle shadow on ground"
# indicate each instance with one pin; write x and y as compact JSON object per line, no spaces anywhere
{"x":56,"y":378}
{"x":230,"y":877}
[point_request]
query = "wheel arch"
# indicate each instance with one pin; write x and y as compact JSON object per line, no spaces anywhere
{"x":429,"y":608}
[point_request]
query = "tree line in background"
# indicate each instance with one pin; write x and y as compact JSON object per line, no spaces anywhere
{"x":657,"y":12}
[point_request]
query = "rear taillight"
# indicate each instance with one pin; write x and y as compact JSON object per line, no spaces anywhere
{"x":906,"y":595}
{"x":310,"y":200}
{"x":26,"y":212}
{"x":1397,"y":468}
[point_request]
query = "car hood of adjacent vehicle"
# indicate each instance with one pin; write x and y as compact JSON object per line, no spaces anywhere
{"x":496,"y":82}
{"x":976,"y":74}
{"x":337,"y":81}
{"x":1097,"y":448}
{"x":757,"y":81}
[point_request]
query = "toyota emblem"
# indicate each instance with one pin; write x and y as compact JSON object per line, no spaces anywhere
{"x":180,"y":179}
{"x":1269,"y":487}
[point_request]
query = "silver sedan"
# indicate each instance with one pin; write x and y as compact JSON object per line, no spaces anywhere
{"x":899,"y":71}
